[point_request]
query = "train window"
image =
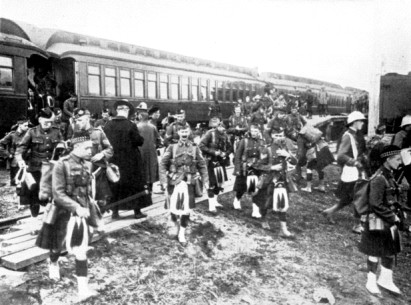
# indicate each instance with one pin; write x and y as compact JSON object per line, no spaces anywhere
{"x":184,"y":88}
{"x":213,"y":94}
{"x":203,"y":90}
{"x":220,"y":91}
{"x":174,"y":87}
{"x":194,"y":89}
{"x":93,"y":80}
{"x":228,"y":91}
{"x":6,"y":72}
{"x":163,"y":86}
{"x":152,"y":84}
{"x":110,"y":81}
{"x":139,"y":84}
{"x":125,"y":83}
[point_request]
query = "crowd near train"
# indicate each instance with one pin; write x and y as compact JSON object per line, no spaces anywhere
{"x":79,"y":166}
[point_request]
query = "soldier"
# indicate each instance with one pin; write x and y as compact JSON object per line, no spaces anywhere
{"x":59,"y":123}
{"x":237,"y":126}
{"x":259,"y":117}
{"x":102,"y":148}
{"x":105,"y":117}
{"x":178,"y":168}
{"x":216,"y":149}
{"x":9,"y":144}
{"x":246,"y":156}
{"x":323,"y":102}
{"x":68,"y":108}
{"x":294,"y":123}
{"x":272,"y":189}
{"x":172,"y":136}
{"x":278,"y":121}
{"x":154,"y":116}
{"x":71,"y":186}
{"x":38,"y":144}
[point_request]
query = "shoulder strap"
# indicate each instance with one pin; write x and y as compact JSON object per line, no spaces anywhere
{"x":213,"y":137}
{"x":194,"y":153}
{"x":174,"y":150}
{"x":245,"y":149}
{"x":353,"y":145}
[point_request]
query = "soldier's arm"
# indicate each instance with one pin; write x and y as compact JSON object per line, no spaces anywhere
{"x":59,"y":183}
{"x":229,"y":147}
{"x":204,"y":144}
{"x":107,"y":148}
{"x":23,"y":147}
{"x":164,"y":164}
{"x":5,"y":145}
{"x":202,"y":167}
{"x":238,"y":157}
{"x":66,"y":109}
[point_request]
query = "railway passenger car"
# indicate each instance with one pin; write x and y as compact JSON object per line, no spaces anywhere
{"x":17,"y":56}
{"x":338,"y":96}
{"x":395,"y":99}
{"x":101,"y":71}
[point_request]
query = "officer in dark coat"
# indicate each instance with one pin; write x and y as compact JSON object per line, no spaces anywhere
{"x":38,"y":143}
{"x":125,"y":139}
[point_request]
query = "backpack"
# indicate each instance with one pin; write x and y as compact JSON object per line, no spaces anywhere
{"x":362,"y":193}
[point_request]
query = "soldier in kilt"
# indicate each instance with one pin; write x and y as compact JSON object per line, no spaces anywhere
{"x":246,"y":157}
{"x":179,"y":166}
{"x":380,"y":238}
{"x":272,"y":188}
{"x":216,"y":149}
{"x":74,"y":214}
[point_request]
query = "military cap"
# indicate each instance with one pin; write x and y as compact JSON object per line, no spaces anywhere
{"x":390,"y":150}
{"x":105,"y":110}
{"x":124,"y":102}
{"x":277,"y":129}
{"x":22,"y":119}
{"x":45,"y":113}
{"x":80,"y":136}
{"x":153,"y":109}
{"x":79,"y":112}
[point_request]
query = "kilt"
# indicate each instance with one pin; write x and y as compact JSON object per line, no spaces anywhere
{"x":28,"y":197}
{"x":191,"y":196}
{"x":380,"y":243}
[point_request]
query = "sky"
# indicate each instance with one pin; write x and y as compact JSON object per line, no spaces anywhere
{"x":347,"y":42}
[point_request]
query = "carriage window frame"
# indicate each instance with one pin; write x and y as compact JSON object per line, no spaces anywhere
{"x":93,"y":75}
{"x":110,"y":77}
{"x":151,"y":84}
{"x":185,"y":88}
{"x":164,"y":86}
{"x":127,"y":80}
{"x":10,"y":68}
{"x":203,"y":90}
{"x":139,"y":80}
{"x":194,"y":89}
{"x":174,"y":87}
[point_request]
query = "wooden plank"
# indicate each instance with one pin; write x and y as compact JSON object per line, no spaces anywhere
{"x":25,"y":258}
{"x":18,"y":247}
{"x":16,"y":240}
{"x":15,"y":234}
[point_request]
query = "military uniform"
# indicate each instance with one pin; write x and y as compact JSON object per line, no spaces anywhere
{"x":246,"y":160}
{"x":62,"y":126}
{"x":38,"y":144}
{"x":237,"y":127}
{"x":8,"y":147}
{"x":294,"y":123}
{"x":71,"y":189}
{"x":101,"y":123}
{"x":212,"y":142}
{"x":259,"y":119}
{"x":171,"y":136}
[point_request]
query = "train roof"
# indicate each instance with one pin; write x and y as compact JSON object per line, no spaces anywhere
{"x":58,"y":42}
{"x":298,"y":79}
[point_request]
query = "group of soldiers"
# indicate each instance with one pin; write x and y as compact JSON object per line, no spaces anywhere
{"x":81,"y":154}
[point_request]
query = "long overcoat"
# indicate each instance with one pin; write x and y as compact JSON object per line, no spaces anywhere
{"x":149,"y":150}
{"x":125,"y":139}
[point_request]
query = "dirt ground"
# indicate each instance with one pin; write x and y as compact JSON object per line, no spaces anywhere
{"x":230,"y":259}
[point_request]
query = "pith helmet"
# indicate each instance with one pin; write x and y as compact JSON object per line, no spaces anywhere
{"x":355,"y":116}
{"x":406,"y":120}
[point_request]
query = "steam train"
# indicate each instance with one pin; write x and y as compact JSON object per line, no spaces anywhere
{"x":42,"y":67}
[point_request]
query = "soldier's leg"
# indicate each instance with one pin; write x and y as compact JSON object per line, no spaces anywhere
{"x":84,"y":292}
{"x":283,"y":225}
{"x":240,"y":187}
{"x":184,"y":219}
{"x":309,"y":180}
{"x":372,"y":265}
{"x":54,"y":268}
{"x":385,"y":279}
